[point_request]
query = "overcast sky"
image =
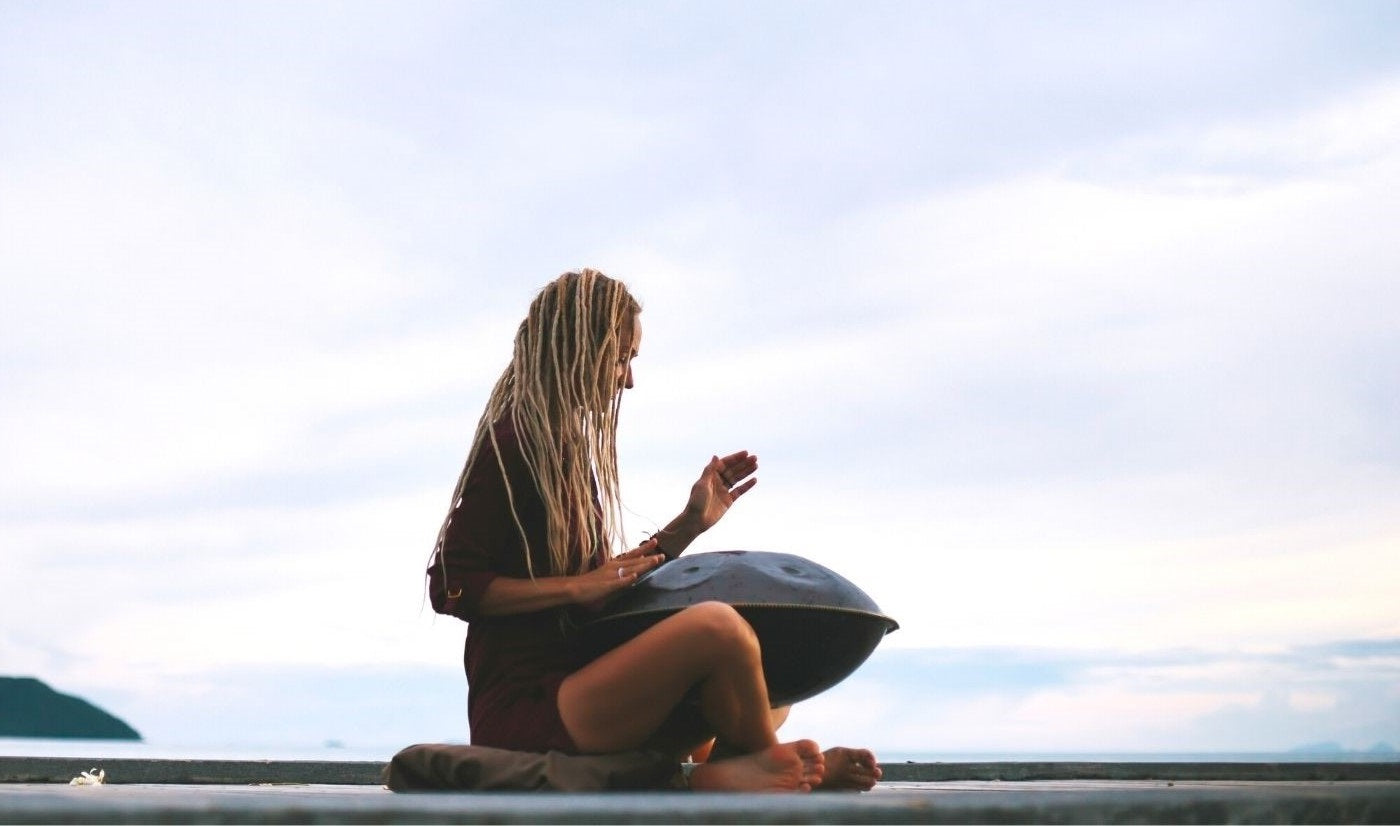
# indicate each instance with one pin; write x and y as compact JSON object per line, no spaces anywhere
{"x":1067,"y":331}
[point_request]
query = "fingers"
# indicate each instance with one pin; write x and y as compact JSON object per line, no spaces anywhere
{"x":734,"y":468}
{"x":627,"y":567}
{"x":741,"y":463}
{"x":648,"y":546}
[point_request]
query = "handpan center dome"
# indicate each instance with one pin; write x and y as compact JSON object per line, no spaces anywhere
{"x":814,"y":626}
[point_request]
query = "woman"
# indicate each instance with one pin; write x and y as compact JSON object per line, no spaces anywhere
{"x":527,"y":544}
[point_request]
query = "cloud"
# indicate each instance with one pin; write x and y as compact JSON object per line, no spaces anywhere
{"x":1132,"y":398}
{"x":1058,"y":323}
{"x":905,"y":703}
{"x":1007,"y":700}
{"x":372,"y":711}
{"x":1342,"y":136}
{"x":1051,"y":326}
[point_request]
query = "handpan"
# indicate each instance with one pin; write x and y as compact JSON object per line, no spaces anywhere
{"x":814,"y":626}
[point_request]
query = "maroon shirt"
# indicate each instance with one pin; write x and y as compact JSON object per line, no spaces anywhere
{"x":514,"y":663}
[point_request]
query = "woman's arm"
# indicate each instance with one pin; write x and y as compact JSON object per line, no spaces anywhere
{"x":510,"y":595}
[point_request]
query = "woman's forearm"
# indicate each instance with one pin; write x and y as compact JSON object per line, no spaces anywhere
{"x":677,"y":535}
{"x":507,"y":595}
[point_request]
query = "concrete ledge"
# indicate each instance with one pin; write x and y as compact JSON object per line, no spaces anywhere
{"x":35,"y":790}
{"x":1108,"y":802}
{"x":341,"y":773}
{"x":193,"y":772}
{"x":1059,"y":770}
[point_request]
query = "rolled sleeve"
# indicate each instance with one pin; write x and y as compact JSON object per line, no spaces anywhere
{"x":482,"y":541}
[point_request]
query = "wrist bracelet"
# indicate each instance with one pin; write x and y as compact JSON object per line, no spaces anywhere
{"x":656,"y":537}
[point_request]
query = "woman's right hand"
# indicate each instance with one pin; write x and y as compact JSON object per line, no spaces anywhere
{"x":594,"y":587}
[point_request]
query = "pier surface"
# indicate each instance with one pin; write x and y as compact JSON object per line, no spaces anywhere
{"x":36,"y":790}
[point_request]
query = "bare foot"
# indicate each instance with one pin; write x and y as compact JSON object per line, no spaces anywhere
{"x":786,"y":767}
{"x":850,"y":769}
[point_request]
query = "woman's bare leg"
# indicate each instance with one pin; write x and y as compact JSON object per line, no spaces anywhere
{"x":621,"y":699}
{"x":719,"y":749}
{"x":624,"y":698}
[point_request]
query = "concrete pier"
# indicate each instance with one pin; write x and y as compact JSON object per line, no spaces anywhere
{"x":35,"y":790}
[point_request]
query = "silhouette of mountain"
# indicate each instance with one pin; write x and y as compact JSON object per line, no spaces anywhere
{"x":29,"y":708}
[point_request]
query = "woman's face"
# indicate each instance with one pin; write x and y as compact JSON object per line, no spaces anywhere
{"x":627,"y":346}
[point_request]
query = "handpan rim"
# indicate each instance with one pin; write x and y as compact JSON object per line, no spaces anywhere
{"x":891,"y":624}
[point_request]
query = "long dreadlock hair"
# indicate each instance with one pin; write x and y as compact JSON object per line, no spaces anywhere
{"x":560,"y":394}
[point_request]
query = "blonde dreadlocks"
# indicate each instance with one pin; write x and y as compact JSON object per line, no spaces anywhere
{"x":561,"y":397}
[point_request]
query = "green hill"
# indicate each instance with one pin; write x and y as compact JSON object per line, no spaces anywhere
{"x":29,"y":708}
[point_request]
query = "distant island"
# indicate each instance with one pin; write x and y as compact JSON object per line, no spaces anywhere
{"x":29,"y":708}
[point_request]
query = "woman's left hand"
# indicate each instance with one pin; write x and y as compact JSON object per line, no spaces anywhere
{"x":722,"y":481}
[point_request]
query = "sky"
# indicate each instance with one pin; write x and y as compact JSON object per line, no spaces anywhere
{"x":1066,"y":331}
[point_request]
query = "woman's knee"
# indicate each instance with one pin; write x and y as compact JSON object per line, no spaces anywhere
{"x":718,"y":624}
